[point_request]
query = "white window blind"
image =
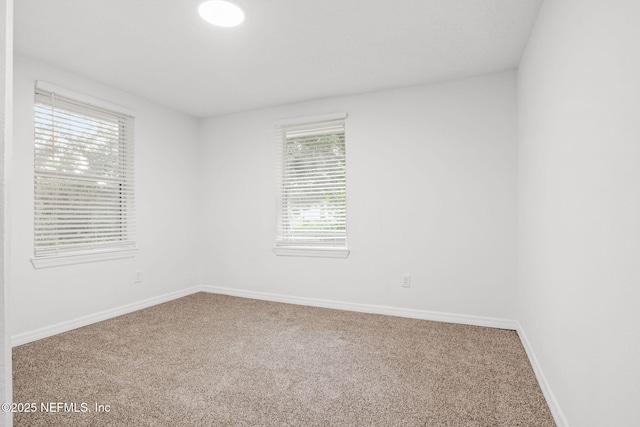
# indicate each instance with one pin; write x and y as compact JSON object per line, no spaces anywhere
{"x":311,"y":203}
{"x":84,"y":193}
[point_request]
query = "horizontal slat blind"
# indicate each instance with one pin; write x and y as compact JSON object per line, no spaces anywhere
{"x":311,"y":204}
{"x":84,"y":195}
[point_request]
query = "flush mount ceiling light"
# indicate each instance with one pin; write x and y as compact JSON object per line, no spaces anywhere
{"x":221,"y":13}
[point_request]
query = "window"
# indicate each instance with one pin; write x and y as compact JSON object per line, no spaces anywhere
{"x":311,"y":200}
{"x":84,"y":195}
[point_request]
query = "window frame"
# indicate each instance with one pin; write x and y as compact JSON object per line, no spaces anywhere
{"x":90,"y":252}
{"x":284,"y":247}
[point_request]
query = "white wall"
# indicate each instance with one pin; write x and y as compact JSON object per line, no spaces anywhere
{"x":6,"y":129}
{"x":579,"y":206}
{"x":166,"y":199}
{"x":431,"y":192}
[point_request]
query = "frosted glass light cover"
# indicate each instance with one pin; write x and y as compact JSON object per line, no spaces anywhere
{"x":221,"y":13}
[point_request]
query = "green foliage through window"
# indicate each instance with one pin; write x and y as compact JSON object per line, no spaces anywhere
{"x":312,"y":199}
{"x":83,"y":166}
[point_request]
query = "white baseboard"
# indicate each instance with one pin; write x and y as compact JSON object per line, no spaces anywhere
{"x":491,"y":322}
{"x":552,"y":402}
{"x":69,"y":325}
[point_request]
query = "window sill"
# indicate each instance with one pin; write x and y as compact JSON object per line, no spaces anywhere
{"x":312,"y":252}
{"x":58,"y":260}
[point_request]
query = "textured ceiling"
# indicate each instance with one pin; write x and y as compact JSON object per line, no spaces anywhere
{"x":285,"y":51}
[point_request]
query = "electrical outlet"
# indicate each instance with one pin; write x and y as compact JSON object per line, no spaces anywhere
{"x":406,"y":281}
{"x":138,"y":277}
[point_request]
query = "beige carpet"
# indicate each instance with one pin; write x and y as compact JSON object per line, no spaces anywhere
{"x":212,"y":360}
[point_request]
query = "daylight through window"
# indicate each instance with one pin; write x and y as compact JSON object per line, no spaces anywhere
{"x":84,"y":195}
{"x":312,"y":204}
